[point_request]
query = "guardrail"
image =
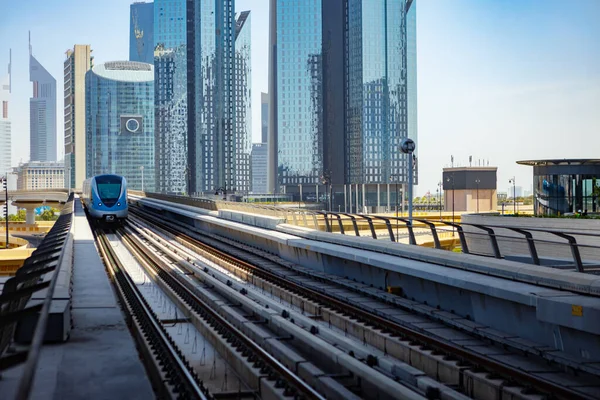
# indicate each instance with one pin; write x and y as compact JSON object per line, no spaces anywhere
{"x":39,"y":272}
{"x":484,"y":238}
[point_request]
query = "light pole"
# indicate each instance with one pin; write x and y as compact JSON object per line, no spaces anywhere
{"x":408,"y":147}
{"x":326,"y":180}
{"x":142,"y":169}
{"x":477,"y":182}
{"x":439,"y":190}
{"x":512,"y":180}
{"x":5,"y":184}
{"x":448,"y":180}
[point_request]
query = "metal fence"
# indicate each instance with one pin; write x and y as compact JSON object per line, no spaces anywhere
{"x":557,"y":249}
{"x":39,"y":272}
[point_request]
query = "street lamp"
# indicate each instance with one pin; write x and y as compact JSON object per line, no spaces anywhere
{"x":477,"y":182}
{"x":512,"y":180}
{"x":439,"y":190}
{"x":142,"y":169}
{"x":408,"y":147}
{"x":5,"y":187}
{"x":448,"y":180}
{"x":326,"y":180}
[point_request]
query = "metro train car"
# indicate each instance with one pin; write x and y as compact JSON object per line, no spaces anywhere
{"x":105,"y":198}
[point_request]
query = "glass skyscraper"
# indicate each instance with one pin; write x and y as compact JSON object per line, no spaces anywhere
{"x":141,"y":35}
{"x":344,"y":76}
{"x":264,"y":117}
{"x":219,"y":138}
{"x":119,"y":110}
{"x":171,"y":96}
{"x":42,"y":112}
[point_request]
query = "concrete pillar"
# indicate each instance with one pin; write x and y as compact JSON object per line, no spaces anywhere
{"x":300,"y":192}
{"x":317,"y":189}
{"x":378,"y":201}
{"x":357,"y":205}
{"x":349,"y":197}
{"x":389,"y":206}
{"x":345,"y":199}
{"x":364,"y":198}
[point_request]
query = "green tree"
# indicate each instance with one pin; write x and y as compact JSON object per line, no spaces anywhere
{"x":19,"y":216}
{"x":48,"y":215}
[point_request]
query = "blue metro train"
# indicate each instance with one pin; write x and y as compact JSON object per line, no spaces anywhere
{"x":105,"y":198}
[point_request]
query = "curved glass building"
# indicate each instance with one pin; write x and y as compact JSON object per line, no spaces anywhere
{"x":565,"y":186}
{"x":119,"y":117}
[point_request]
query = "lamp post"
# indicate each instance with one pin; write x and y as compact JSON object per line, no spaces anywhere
{"x":512,"y":180}
{"x":439,"y":190}
{"x":142,"y":169}
{"x":452,"y":180}
{"x":477,"y":182}
{"x":408,"y":147}
{"x":326,"y":180}
{"x":5,"y":186}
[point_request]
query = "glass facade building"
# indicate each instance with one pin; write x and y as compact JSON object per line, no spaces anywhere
{"x":565,"y":186}
{"x":42,"y":112}
{"x":120,"y":122}
{"x":377,"y":86}
{"x":264,"y":117}
{"x":141,"y":32}
{"x":344,"y":84}
{"x":259,"y":168}
{"x":171,"y":96}
{"x":219,"y":93}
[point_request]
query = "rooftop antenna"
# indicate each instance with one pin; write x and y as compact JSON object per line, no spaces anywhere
{"x":470,"y":161}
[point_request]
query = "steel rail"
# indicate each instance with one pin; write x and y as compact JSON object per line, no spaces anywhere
{"x":505,"y":370}
{"x":184,"y":382}
{"x":203,"y":308}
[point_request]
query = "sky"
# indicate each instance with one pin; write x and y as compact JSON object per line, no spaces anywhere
{"x":500,"y":81}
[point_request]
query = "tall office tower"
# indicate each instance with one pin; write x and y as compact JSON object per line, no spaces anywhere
{"x":119,"y":116}
{"x":42,"y":112}
{"x":79,"y":60}
{"x":264,"y":117}
{"x":242,"y":104}
{"x":5,"y":126}
{"x":219,"y":141}
{"x":141,"y":35}
{"x":170,"y":96}
{"x":377,"y":99}
{"x":306,"y":95}
{"x":342,"y":81}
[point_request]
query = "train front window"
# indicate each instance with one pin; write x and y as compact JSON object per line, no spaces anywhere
{"x":109,"y":189}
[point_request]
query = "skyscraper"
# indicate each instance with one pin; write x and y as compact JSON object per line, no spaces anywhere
{"x":79,"y":60}
{"x":343,"y":72}
{"x":264,"y":117}
{"x":141,"y":35}
{"x":306,"y":94}
{"x":242,"y":103}
{"x":219,"y":138}
{"x":171,"y":97}
{"x":42,"y":112}
{"x":119,"y":111}
{"x":5,"y":125}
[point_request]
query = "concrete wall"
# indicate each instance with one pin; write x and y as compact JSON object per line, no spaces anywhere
{"x":466,"y":200}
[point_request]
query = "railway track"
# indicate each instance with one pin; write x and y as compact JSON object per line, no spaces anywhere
{"x":169,"y":371}
{"x":471,"y":373}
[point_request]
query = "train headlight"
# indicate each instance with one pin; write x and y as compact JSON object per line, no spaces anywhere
{"x":99,"y":204}
{"x":118,"y":204}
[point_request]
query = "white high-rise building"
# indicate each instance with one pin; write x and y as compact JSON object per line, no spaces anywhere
{"x":5,"y":128}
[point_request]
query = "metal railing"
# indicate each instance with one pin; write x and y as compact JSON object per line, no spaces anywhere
{"x":497,"y":241}
{"x":40,"y":271}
